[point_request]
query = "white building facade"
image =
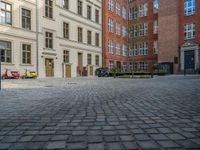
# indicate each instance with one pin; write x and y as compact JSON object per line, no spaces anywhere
{"x":56,"y":38}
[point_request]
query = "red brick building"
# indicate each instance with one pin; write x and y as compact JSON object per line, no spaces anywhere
{"x":166,"y":32}
{"x":179,"y":35}
{"x":114,"y":34}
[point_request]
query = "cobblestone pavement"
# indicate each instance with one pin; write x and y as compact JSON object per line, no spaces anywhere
{"x":101,"y":113}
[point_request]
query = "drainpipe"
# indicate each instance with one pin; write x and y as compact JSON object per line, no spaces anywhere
{"x":0,"y":71}
{"x":37,"y":39}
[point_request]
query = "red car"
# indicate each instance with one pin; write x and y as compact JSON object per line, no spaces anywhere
{"x":11,"y":74}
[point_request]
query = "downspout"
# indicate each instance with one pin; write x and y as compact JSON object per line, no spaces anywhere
{"x":37,"y":39}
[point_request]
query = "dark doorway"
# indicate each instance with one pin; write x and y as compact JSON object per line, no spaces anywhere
{"x":189,"y":60}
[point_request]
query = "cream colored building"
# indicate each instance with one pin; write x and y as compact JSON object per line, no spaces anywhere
{"x":59,"y":38}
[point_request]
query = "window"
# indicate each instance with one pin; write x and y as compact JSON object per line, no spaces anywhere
{"x":124,"y":50}
{"x":155,"y":47}
{"x":89,"y":59}
{"x":189,"y":7}
{"x":66,"y":56}
{"x":80,"y":34}
{"x":49,"y":8}
{"x":189,"y":31}
{"x":26,"y":54}
{"x":155,"y":6}
{"x":155,"y":27}
{"x":49,"y":40}
{"x":5,"y":13}
{"x":97,"y":60}
{"x":110,"y":25}
{"x":111,"y":65}
{"x":26,"y":19}
{"x":110,"y":46}
{"x":118,"y":28}
{"x":118,"y":49}
{"x":143,"y":29}
{"x":80,"y":6}
{"x":133,"y":50}
{"x":124,"y":66}
{"x":97,"y":16}
{"x":134,"y":31}
{"x":65,"y":4}
{"x":89,"y":12}
{"x":143,"y":66}
{"x":130,"y":66}
{"x":124,"y":15}
{"x":97,"y":39}
{"x":143,"y":8}
{"x":111,"y":5}
{"x":5,"y":49}
{"x":124,"y":30}
{"x":118,"y":10}
{"x":143,"y":48}
{"x":66,"y":30}
{"x":133,"y":13}
{"x":89,"y":37}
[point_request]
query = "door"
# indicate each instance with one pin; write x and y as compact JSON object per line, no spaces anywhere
{"x":118,"y":66}
{"x":80,"y":64}
{"x":91,"y":70}
{"x":189,"y":60}
{"x":49,"y":67}
{"x":68,"y":71}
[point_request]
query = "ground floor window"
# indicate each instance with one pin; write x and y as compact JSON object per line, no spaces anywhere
{"x":143,"y":66}
{"x":111,"y":64}
{"x":26,"y":54}
{"x":124,"y":66}
{"x":66,"y":56}
{"x":5,"y":48}
{"x":97,"y":60}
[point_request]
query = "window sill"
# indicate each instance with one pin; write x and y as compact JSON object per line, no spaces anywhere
{"x":49,"y":18}
{"x":26,"y":65}
{"x":49,"y":49}
{"x":7,"y":64}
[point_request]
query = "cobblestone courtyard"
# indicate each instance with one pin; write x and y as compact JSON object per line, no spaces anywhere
{"x":101,"y":113}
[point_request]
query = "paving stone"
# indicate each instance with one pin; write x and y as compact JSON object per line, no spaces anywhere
{"x":25,"y":138}
{"x":114,"y":146}
{"x":97,"y":146}
{"x":56,"y":145}
{"x":94,"y":139}
{"x":159,"y":136}
{"x":126,"y":138}
{"x":78,"y":132}
{"x":10,"y":139}
{"x":148,"y":145}
{"x":175,"y":136}
{"x":4,"y":146}
{"x":59,"y":137}
{"x":130,"y":145}
{"x":111,"y":138}
{"x":168,"y":144}
{"x":76,"y":146}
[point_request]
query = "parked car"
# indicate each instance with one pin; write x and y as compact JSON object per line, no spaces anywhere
{"x":11,"y":74}
{"x":102,"y":72}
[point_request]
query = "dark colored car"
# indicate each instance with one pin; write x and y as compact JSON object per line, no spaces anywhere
{"x":102,"y":72}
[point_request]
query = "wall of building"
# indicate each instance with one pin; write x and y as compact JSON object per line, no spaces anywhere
{"x":18,"y":35}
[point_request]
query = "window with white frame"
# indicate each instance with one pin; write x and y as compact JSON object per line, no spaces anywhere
{"x":143,"y":9}
{"x":143,"y":49}
{"x":135,"y":66}
{"x":135,"y":50}
{"x":124,"y":30}
{"x":118,"y":10}
{"x":155,"y":47}
{"x":110,"y":25}
{"x":5,"y":13}
{"x":143,"y":65}
{"x":118,"y":49}
{"x":130,"y":51}
{"x":111,"y":64}
{"x":189,"y":7}
{"x":111,"y":5}
{"x":124,"y":66}
{"x":135,"y":30}
{"x":143,"y":29}
{"x":133,"y":13}
{"x":189,"y":31}
{"x":124,"y":15}
{"x":110,"y":46}
{"x":130,"y":66}
{"x":118,"y":28}
{"x":124,"y":50}
{"x":155,"y":27}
